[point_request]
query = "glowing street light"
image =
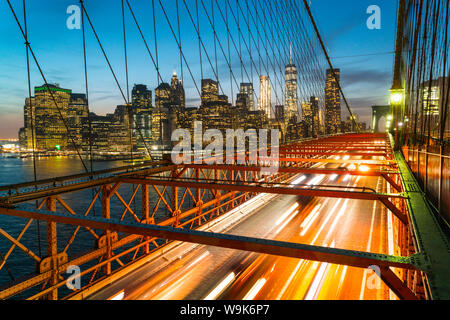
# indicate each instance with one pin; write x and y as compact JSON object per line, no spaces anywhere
{"x":396,"y":97}
{"x":363,"y":168}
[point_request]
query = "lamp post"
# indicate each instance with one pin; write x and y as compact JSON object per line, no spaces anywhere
{"x":397,"y":100}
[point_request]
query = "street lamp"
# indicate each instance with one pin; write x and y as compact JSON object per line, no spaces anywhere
{"x":397,"y":96}
{"x":397,"y":100}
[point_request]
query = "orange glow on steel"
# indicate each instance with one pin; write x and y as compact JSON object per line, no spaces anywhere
{"x":363,"y":168}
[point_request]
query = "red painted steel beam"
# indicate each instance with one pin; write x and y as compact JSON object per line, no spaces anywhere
{"x":396,"y":285}
{"x":260,"y":188}
{"x":294,"y":250}
{"x":327,"y":153}
{"x":374,"y":173}
{"x":294,"y":170}
{"x":358,"y":161}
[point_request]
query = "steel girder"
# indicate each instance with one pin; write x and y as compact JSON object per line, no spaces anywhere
{"x":287,"y":249}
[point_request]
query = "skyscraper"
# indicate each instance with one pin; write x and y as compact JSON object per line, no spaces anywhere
{"x":215,"y":109}
{"x":142,"y":113}
{"x":160,"y":118}
{"x":332,"y":102}
{"x":291,"y":90}
{"x":50,"y":131}
{"x":141,"y":98}
{"x":247,"y":91}
{"x":210,"y":91}
{"x":315,"y":128}
{"x":264,"y":101}
{"x":77,"y":115}
{"x":178,"y":96}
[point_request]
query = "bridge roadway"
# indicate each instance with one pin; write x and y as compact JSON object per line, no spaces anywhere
{"x":190,"y":271}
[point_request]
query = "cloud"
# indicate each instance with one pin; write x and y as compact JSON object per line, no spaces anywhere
{"x":365,"y":76}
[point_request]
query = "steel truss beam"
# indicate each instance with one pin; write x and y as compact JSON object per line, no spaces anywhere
{"x":331,"y":153}
{"x":257,"y":187}
{"x":295,"y":170}
{"x":351,"y":258}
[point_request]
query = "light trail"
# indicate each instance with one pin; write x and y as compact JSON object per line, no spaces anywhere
{"x":255,"y":289}
{"x":286,"y":222}
{"x":333,"y":210}
{"x":288,"y":282}
{"x":287,"y":213}
{"x":369,"y":243}
{"x":297,"y":181}
{"x":220,"y":287}
{"x":118,"y":296}
{"x":316,"y":180}
{"x":317,"y":283}
{"x":310,"y":219}
{"x":338,"y":217}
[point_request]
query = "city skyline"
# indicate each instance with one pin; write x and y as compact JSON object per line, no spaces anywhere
{"x":104,"y":94}
{"x":56,"y":118}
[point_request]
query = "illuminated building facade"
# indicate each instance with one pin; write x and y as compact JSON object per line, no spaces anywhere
{"x":291,"y":91}
{"x":247,"y":92}
{"x":142,"y":114}
{"x":332,"y":102}
{"x":264,"y":101}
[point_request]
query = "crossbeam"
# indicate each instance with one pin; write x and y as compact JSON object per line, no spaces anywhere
{"x":275,"y":188}
{"x":335,"y":153}
{"x":351,"y":258}
{"x":297,"y":170}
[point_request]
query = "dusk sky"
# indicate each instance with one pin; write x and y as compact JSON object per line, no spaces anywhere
{"x":364,"y":56}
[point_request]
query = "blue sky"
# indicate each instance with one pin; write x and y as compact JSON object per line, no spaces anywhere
{"x":365,"y":77}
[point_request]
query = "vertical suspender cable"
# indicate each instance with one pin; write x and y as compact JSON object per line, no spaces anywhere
{"x":32,"y":116}
{"x":157,"y":71}
{"x":87,"y":90}
{"x":129,"y":108}
{"x":179,"y":44}
{"x":93,"y":191}
{"x":329,"y":63}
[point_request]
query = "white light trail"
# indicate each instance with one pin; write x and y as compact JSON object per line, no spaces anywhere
{"x":287,"y":213}
{"x":316,"y":180}
{"x":286,"y":285}
{"x":220,"y":287}
{"x":338,"y":217}
{"x":307,"y":223}
{"x":118,"y":296}
{"x":297,"y":181}
{"x":317,"y":283}
{"x":255,"y":289}
{"x":326,"y":220}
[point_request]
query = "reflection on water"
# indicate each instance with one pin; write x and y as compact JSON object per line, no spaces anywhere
{"x":17,"y":170}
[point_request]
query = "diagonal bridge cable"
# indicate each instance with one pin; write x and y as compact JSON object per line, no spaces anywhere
{"x":64,"y":120}
{"x":329,"y":63}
